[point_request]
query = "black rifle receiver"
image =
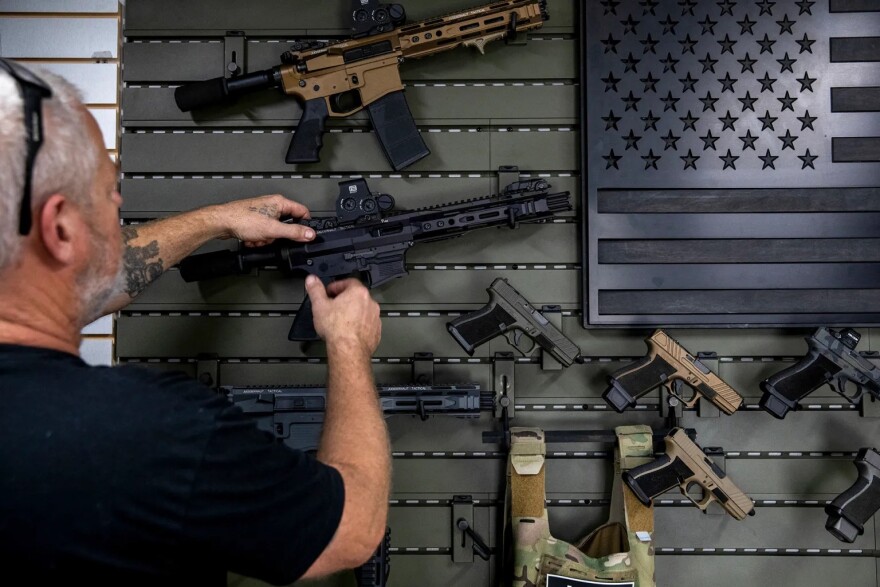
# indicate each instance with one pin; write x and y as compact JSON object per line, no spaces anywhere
{"x":294,"y":414}
{"x":368,"y":238}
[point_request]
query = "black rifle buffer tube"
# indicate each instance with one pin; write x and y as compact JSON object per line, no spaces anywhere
{"x":224,"y":263}
{"x":221,"y":89}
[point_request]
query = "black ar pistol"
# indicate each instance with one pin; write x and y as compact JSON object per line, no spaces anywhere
{"x":368,"y":238}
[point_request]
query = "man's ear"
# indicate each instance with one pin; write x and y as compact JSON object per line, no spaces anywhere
{"x":60,"y":222}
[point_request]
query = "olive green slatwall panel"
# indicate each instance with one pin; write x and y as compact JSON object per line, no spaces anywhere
{"x":250,"y":152}
{"x":162,"y":62}
{"x":168,"y":17}
{"x":676,"y":527}
{"x":266,"y":291}
{"x":266,"y":337}
{"x":531,"y":243}
{"x":679,"y":570}
{"x":770,"y":527}
{"x":446,"y":476}
{"x":728,"y":342}
{"x":154,"y":107}
{"x":439,"y":567}
{"x":152,"y":198}
{"x":484,"y":475}
{"x":189,"y":336}
{"x":263,"y":152}
{"x":755,"y":430}
{"x":173,"y":171}
{"x":439,"y":433}
{"x":176,"y":63}
{"x":454,"y":434}
{"x":150,"y":17}
{"x":450,"y":288}
{"x":744,"y":432}
{"x":185,"y":367}
{"x":439,"y":570}
{"x":432,"y":526}
{"x":778,"y":571}
{"x":774,"y":476}
{"x":778,"y":478}
{"x":586,"y":381}
{"x":466,"y":290}
{"x":590,"y":379}
{"x":264,"y":373}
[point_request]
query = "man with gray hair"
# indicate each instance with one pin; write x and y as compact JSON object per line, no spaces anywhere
{"x":122,"y":475}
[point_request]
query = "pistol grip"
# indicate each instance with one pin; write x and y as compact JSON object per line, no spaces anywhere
{"x":785,"y":389}
{"x":637,"y":379}
{"x":303,"y":327}
{"x":850,"y":510}
{"x":651,"y":479}
{"x":472,"y":330}
{"x":396,"y":130}
{"x":309,"y":135}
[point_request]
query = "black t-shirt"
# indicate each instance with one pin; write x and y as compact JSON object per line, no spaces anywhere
{"x":123,"y":475}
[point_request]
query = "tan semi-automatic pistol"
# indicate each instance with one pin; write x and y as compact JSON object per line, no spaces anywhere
{"x":667,"y":362}
{"x":685,"y":464}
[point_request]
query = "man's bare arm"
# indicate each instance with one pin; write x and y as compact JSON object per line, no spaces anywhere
{"x":152,"y":248}
{"x":354,"y":439}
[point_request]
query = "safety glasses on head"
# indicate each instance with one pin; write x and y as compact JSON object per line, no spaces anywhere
{"x":33,"y":90}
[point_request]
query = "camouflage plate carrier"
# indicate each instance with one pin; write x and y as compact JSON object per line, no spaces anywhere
{"x":619,"y":552}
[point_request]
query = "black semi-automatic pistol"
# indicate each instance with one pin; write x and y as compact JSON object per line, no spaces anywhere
{"x":850,"y":510}
{"x":510,"y":314}
{"x":832,"y":359}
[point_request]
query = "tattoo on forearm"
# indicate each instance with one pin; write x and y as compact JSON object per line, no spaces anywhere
{"x":270,"y":210}
{"x":142,"y":264}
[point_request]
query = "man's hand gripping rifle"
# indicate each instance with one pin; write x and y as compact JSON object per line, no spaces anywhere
{"x":338,"y":79}
{"x":367,"y":237}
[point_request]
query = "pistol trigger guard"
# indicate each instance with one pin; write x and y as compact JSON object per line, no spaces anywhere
{"x":839,"y":385}
{"x":514,"y":336}
{"x":707,"y":495}
{"x":675,"y":390}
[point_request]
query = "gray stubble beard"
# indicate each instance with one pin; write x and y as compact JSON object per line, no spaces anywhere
{"x":95,"y":286}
